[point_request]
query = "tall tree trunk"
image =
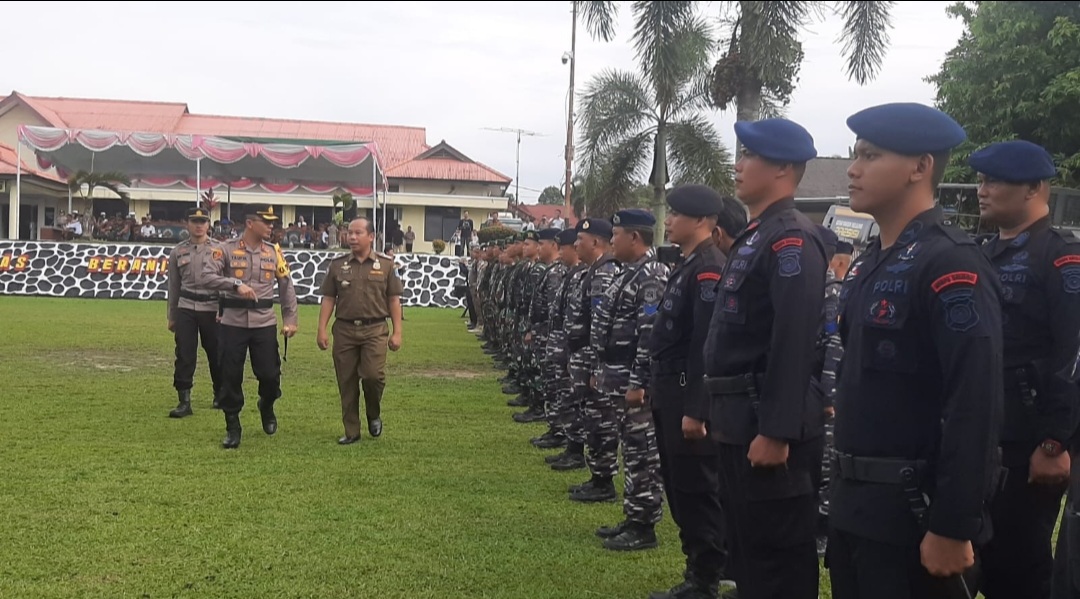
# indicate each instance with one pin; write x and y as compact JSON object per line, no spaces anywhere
{"x":748,"y":105}
{"x":659,"y":183}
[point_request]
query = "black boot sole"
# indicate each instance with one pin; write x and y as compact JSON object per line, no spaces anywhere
{"x":178,"y":413}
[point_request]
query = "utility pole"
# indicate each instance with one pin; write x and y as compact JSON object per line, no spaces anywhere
{"x":568,"y":206}
{"x":517,"y":159}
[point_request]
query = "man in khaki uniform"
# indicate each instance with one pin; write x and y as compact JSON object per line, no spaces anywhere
{"x":247,"y":269}
{"x":192,"y":310}
{"x":364,"y":288}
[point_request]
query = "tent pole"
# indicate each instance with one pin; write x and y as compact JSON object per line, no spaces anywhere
{"x":198,"y":182}
{"x":13,"y":210}
{"x":375,"y":201}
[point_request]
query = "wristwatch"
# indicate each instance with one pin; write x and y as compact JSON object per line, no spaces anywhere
{"x":1051,"y":448}
{"x":236,"y":284}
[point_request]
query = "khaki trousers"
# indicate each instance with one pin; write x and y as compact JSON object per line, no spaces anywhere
{"x":359,"y":361}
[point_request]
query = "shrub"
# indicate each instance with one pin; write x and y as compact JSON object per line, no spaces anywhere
{"x":489,"y":234}
{"x":439,"y":246}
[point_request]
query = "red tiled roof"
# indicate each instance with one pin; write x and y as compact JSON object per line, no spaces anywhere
{"x":400,"y":147}
{"x":9,"y":160}
{"x":539,"y":211}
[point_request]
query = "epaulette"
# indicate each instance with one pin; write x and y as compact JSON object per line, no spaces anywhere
{"x":1067,"y":234}
{"x":957,"y":235}
{"x":384,"y":256}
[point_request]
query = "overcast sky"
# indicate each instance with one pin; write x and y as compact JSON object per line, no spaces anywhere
{"x":452,"y":67}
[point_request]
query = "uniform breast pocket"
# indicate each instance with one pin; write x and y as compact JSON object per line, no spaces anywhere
{"x":732,"y":309}
{"x":266,"y":270}
{"x":184,"y":260}
{"x":374,"y":280}
{"x":885,"y":347}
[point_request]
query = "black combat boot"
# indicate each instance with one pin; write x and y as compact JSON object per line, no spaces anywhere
{"x":511,"y":388}
{"x":518,"y":402}
{"x":634,"y":537}
{"x":530,"y":415}
{"x":607,"y":532}
{"x":556,"y":457}
{"x":232,"y":431}
{"x":692,"y":587}
{"x":572,"y":461}
{"x":184,"y":407}
{"x":269,"y":419}
{"x":555,"y":441}
{"x":601,"y":489}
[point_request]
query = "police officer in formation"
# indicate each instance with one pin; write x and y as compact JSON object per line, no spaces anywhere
{"x":246,"y":271}
{"x":544,"y":338}
{"x":689,"y":458}
{"x":951,"y":370}
{"x":622,"y":324}
{"x":192,"y":310}
{"x":1039,"y":271}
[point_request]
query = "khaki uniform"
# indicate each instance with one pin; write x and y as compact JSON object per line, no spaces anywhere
{"x":192,"y":308}
{"x":250,"y":326}
{"x":362,"y":292}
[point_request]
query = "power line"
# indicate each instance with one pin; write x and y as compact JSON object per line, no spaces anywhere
{"x":517,"y":160}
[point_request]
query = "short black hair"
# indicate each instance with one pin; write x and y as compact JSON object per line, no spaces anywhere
{"x":732,"y":218}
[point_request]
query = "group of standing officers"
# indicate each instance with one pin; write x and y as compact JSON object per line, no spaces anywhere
{"x":947,"y":367}
{"x":223,"y":295}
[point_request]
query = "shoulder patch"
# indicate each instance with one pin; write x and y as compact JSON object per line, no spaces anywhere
{"x":708,"y":276}
{"x":952,"y":279}
{"x":787,"y":242}
{"x":217,"y":253}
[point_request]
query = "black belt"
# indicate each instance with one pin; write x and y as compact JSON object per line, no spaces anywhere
{"x":197,"y":297}
{"x":243,"y":304}
{"x":363,"y":322}
{"x":741,"y":384}
{"x":884,"y":471}
{"x":667,"y":367}
{"x":615,"y":355}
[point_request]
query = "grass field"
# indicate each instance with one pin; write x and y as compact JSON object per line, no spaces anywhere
{"x":102,"y":495}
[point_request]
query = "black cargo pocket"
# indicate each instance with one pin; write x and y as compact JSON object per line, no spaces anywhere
{"x":884,"y":345}
{"x":734,"y":419}
{"x":731,"y":308}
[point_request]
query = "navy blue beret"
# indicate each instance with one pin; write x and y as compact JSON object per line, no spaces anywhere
{"x":907,"y":128}
{"x":695,"y":200}
{"x":548,"y":234}
{"x":779,"y":140}
{"x":567,"y":237}
{"x":595,"y":226}
{"x":1015,"y":161}
{"x":844,"y":248}
{"x":633,"y":219}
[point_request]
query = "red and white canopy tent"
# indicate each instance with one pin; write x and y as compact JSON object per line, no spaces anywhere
{"x":203,"y":162}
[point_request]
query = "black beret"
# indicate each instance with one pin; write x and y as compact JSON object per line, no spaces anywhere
{"x":567,"y":237}
{"x":695,"y":200}
{"x":595,"y":226}
{"x":548,"y":234}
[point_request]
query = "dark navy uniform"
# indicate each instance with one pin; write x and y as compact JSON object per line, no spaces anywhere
{"x":920,"y":392}
{"x":759,"y":358}
{"x":1039,"y":271}
{"x":690,"y":468}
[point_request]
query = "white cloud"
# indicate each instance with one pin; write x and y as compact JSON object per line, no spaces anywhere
{"x":452,"y":67}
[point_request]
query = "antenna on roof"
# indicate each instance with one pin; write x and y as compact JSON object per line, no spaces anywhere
{"x":517,"y":159}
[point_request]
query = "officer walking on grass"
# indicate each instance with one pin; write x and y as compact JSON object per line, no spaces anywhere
{"x":247,"y":270}
{"x":192,"y":309}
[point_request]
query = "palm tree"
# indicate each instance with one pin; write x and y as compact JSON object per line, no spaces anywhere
{"x":760,"y":68}
{"x":84,"y":183}
{"x":653,"y":121}
{"x":347,"y":203}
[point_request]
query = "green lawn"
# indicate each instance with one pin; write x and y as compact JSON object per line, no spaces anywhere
{"x":101,"y":495}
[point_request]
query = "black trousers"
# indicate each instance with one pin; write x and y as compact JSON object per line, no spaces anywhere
{"x":691,"y":471}
{"x":1018,"y":561}
{"x":236,"y":343}
{"x":189,"y":329}
{"x":469,"y":306}
{"x":861,"y":568}
{"x":1066,"y":578}
{"x":771,"y":514}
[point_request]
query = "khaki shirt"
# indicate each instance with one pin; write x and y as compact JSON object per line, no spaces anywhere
{"x":260,"y":268}
{"x":186,"y":263}
{"x":361,"y":290}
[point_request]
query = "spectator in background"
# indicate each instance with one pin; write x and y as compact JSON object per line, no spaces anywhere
{"x":410,"y":239}
{"x":148,"y":230}
{"x":465,"y":229}
{"x":558,"y":222}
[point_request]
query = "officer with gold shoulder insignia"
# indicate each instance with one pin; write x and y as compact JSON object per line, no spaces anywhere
{"x":247,"y":270}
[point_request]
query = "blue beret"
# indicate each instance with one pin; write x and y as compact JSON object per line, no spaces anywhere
{"x":567,"y":237}
{"x":907,"y":128}
{"x":779,"y":140}
{"x":1014,"y":161}
{"x":633,"y":218}
{"x":548,"y":234}
{"x":695,"y":200}
{"x":595,"y":226}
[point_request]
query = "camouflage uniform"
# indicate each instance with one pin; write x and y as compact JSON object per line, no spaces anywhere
{"x":599,"y":411}
{"x":622,"y":323}
{"x":834,"y":351}
{"x":562,"y":413}
{"x":517,"y":323}
{"x":533,"y":321}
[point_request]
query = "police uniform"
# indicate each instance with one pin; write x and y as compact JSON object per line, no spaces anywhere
{"x":759,"y":359}
{"x":1039,"y":271}
{"x":362,"y":291}
{"x":690,"y":468}
{"x":250,"y":325}
{"x":529,"y":320}
{"x":192,"y":314}
{"x":597,"y":411}
{"x":567,"y":413}
{"x":622,"y":324}
{"x":919,"y":397}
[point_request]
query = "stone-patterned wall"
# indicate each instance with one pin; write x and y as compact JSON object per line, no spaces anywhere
{"x":135,"y":271}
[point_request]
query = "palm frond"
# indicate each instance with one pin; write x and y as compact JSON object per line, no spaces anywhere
{"x":772,"y":107}
{"x":614,"y":106}
{"x":664,"y":38}
{"x":865,"y":36}
{"x":599,"y":18}
{"x":612,"y":183}
{"x":695,"y":96}
{"x":696,"y":154}
{"x":768,"y":28}
{"x":112,"y":180}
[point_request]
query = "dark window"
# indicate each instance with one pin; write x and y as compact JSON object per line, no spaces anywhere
{"x":168,"y":211}
{"x":440,"y":223}
{"x":393,"y":188}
